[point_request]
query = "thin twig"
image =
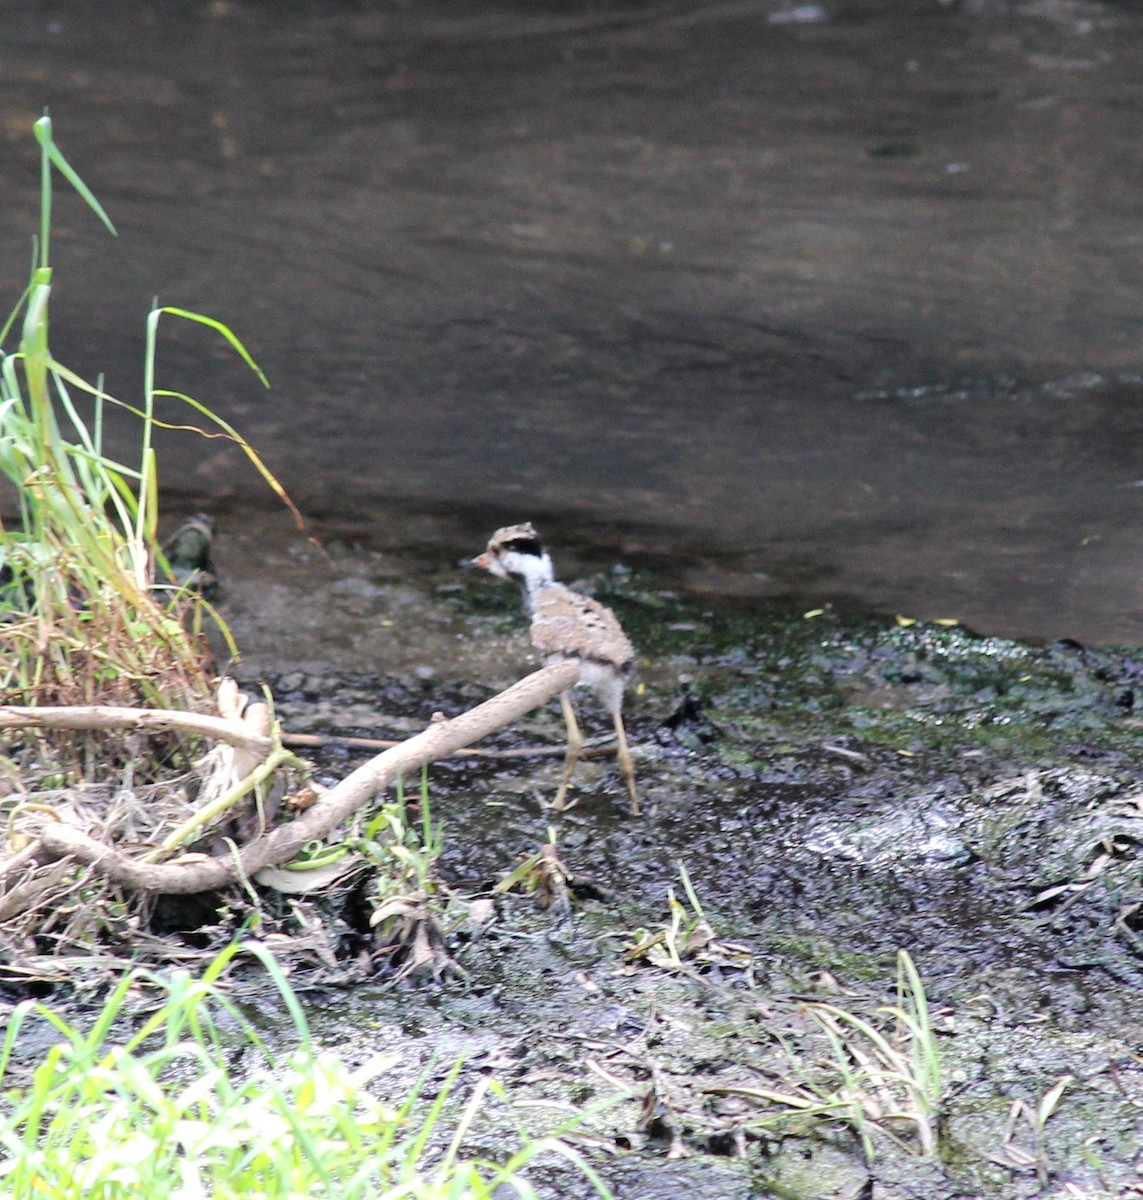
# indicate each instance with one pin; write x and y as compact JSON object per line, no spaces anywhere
{"x":238,"y":733}
{"x":318,"y":741}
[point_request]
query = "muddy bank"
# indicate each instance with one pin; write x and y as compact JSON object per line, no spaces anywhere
{"x":844,"y":788}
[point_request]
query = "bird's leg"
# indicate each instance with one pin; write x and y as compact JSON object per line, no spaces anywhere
{"x":575,"y":745}
{"x":625,"y":764}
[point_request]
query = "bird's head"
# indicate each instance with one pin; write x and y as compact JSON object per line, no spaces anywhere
{"x":516,"y":552}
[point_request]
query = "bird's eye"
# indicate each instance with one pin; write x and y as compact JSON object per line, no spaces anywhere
{"x":525,"y":545}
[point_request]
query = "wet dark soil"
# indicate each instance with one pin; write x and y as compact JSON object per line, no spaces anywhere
{"x":837,"y":788}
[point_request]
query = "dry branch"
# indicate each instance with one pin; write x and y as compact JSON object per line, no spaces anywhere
{"x":152,"y":720}
{"x":198,"y":874}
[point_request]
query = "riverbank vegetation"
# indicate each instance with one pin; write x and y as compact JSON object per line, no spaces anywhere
{"x":133,"y":769}
{"x":171,"y":1090}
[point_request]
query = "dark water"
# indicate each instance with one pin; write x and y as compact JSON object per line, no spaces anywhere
{"x":848,"y":306}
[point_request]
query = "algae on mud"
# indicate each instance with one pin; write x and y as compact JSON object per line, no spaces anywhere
{"x":854,"y":786}
{"x":838,"y":788}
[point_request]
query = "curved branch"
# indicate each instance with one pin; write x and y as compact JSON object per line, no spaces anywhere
{"x":208,"y":873}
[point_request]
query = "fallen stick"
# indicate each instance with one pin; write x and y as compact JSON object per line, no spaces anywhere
{"x":151,"y":720}
{"x":236,"y":732}
{"x":280,"y":845}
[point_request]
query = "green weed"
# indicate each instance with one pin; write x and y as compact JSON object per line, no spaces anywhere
{"x":157,"y":1111}
{"x":88,"y":611}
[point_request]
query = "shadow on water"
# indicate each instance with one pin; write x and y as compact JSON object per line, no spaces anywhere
{"x":750,"y":278}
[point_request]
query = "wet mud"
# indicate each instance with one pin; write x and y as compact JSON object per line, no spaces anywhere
{"x":837,"y":788}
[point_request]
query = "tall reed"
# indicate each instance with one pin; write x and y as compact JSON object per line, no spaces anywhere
{"x":85,"y":616}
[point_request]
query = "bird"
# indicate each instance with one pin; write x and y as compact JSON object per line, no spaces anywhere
{"x":568,"y":626}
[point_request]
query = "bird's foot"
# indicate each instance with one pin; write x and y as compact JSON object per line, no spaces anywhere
{"x":561,"y":803}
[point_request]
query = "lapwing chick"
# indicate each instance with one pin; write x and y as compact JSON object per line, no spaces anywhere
{"x":566,"y":625}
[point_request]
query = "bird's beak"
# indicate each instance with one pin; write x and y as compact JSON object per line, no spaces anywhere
{"x":481,"y":560}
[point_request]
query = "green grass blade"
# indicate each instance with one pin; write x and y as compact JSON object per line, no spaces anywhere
{"x":43,"y":132}
{"x":220,"y":328}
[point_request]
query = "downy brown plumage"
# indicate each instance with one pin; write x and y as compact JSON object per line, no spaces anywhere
{"x":567,"y":625}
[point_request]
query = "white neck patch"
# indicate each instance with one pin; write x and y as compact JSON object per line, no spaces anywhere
{"x":531,"y":571}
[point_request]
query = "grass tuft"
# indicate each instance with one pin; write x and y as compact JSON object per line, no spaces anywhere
{"x":875,"y":1079}
{"x":156,"y":1110}
{"x":87,"y":611}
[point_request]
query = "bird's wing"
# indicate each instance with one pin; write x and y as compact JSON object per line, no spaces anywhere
{"x":564,"y":622}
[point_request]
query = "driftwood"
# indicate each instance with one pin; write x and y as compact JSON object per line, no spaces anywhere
{"x":195,"y":873}
{"x":150,"y":720}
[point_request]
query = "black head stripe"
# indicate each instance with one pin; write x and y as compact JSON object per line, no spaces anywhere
{"x":525,"y":545}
